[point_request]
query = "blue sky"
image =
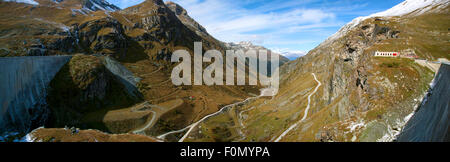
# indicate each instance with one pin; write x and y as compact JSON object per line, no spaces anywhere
{"x":294,"y":26}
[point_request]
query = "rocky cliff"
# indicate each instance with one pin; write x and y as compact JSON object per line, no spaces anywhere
{"x":56,"y":91}
{"x":83,"y":86}
{"x":140,"y":38}
{"x":182,"y":14}
{"x":360,"y":97}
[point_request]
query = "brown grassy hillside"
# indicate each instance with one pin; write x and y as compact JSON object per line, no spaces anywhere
{"x":362,"y":98}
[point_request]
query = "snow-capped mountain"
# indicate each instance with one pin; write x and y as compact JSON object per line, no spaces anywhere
{"x":411,"y":7}
{"x":187,"y":20}
{"x":290,"y":54}
{"x":358,"y":97}
{"x":96,"y":5}
{"x":247,"y":45}
{"x":86,"y":5}
{"x":32,"y":2}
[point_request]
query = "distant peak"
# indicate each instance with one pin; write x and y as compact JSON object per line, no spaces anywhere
{"x":176,"y":8}
{"x":182,"y":14}
{"x":96,"y":5}
{"x":406,"y":8}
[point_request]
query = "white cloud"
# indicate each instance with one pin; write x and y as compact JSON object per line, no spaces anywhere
{"x":297,"y":26}
{"x":229,"y":21}
{"x":277,"y":24}
{"x":292,"y":24}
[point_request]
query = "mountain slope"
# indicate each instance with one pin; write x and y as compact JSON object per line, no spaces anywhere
{"x":430,"y":123}
{"x":142,"y":38}
{"x":245,"y":46}
{"x":182,"y":14}
{"x":362,"y":98}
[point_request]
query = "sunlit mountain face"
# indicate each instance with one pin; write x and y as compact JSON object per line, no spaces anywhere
{"x":103,"y":71}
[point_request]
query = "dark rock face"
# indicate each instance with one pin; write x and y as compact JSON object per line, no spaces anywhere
{"x":381,"y":33}
{"x":154,"y":28}
{"x":353,"y":58}
{"x":182,"y":14}
{"x":83,"y":86}
{"x":105,"y":36}
{"x":163,"y":26}
{"x":163,"y":54}
{"x":65,"y":45}
{"x":164,"y":33}
{"x":159,"y":25}
{"x":37,"y":52}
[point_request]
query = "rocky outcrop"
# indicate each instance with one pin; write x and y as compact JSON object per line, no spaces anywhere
{"x":104,"y":36}
{"x":182,"y":14}
{"x":352,"y":58}
{"x":157,"y":28}
{"x":84,"y":85}
{"x":141,"y":38}
{"x":160,"y":24}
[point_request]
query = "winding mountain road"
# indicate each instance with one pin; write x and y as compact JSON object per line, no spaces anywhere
{"x":157,"y":112}
{"x":149,"y":124}
{"x":264,"y":92}
{"x":306,"y":111}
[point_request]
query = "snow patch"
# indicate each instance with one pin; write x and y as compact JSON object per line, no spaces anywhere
{"x":356,"y":125}
{"x":32,"y":2}
{"x":416,"y":7}
{"x":29,"y":138}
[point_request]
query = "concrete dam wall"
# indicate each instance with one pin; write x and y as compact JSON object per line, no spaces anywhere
{"x":23,"y":85}
{"x":431,"y":121}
